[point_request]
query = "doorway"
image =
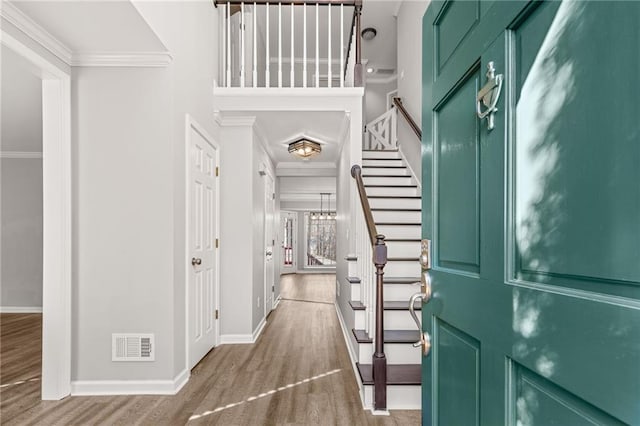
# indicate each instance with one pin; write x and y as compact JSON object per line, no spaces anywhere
{"x":202,"y":258}
{"x":289,"y":227}
{"x":56,"y":218}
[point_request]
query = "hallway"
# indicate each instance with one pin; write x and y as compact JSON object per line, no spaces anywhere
{"x":298,"y":373}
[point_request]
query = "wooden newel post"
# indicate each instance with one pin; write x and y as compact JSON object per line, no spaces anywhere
{"x":379,"y":358}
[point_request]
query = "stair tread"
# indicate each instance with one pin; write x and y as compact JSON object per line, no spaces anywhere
{"x":402,"y":259}
{"x":380,"y":209}
{"x":389,"y":305}
{"x":390,"y":336}
{"x":403,"y":240}
{"x":350,"y":258}
{"x":401,"y":280}
{"x":395,"y":196}
{"x":397,"y":224}
{"x":389,"y":280}
{"x":397,"y":374}
{"x":388,"y":176}
{"x":384,"y":167}
{"x":380,"y":150}
{"x":384,"y":159}
{"x":391,"y":186}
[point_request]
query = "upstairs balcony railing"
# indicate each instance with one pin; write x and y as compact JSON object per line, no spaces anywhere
{"x":290,"y":44}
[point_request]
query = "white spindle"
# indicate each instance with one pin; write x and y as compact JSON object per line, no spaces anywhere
{"x":329,"y":45}
{"x":267,"y":72}
{"x":304,"y":45}
{"x":341,"y":70}
{"x":228,"y":45}
{"x":317,"y":45}
{"x":242,"y":34}
{"x":279,"y":44}
{"x":255,"y":47}
{"x":224,"y":44}
{"x":292,"y":75}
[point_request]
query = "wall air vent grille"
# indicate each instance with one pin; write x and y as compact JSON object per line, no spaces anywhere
{"x":132,"y":347}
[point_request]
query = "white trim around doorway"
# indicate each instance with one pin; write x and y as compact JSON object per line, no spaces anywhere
{"x":57,"y":228}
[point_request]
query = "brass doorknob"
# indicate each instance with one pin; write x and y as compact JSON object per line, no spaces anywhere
{"x":196,"y":261}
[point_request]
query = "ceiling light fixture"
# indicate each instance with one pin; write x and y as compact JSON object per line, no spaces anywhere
{"x":370,"y":70}
{"x":369,"y":33}
{"x":305,"y":148}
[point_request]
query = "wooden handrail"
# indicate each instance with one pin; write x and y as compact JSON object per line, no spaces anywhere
{"x":379,"y":361}
{"x":398,"y":103}
{"x":353,"y":24}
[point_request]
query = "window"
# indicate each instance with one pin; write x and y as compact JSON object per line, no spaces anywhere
{"x":321,"y":239}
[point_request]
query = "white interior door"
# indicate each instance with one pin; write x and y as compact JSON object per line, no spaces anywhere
{"x":269,"y":242}
{"x":203,"y":259}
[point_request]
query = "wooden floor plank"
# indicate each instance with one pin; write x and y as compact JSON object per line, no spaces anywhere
{"x":297,"y":373}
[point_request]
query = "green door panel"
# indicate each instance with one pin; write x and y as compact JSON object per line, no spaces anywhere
{"x":458,"y":161}
{"x":535,"y":314}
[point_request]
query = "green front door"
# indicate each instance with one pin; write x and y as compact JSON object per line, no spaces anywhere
{"x":535,"y":314}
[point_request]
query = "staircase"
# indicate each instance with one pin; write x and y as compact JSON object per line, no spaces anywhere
{"x":394,"y":197}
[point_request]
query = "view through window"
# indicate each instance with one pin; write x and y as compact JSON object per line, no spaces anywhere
{"x":321,"y":239}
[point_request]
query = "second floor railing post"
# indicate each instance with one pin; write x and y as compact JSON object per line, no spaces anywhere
{"x":358,"y":78}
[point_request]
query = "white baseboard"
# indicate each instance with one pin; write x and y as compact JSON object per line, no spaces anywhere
{"x":277,"y":302}
{"x":327,"y":270}
{"x":243,"y":339}
{"x":258,"y":330}
{"x":130,"y":387}
{"x":21,"y":309}
{"x":235,"y":339}
{"x":417,"y":178}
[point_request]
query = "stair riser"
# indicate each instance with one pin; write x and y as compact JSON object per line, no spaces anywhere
{"x":393,"y":320}
{"x":395,"y":203}
{"x":395,"y":180}
{"x":396,"y":353}
{"x":398,"y":397}
{"x":402,"y":269}
{"x":396,"y":216}
{"x":386,"y":171}
{"x":399,"y":232}
{"x":403,"y":248}
{"x":383,"y":163}
{"x":404,"y":191}
{"x":392,"y":292}
{"x":379,"y":154}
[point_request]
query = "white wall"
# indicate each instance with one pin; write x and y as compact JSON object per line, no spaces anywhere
{"x":123,"y":219}
{"x":410,"y":78}
{"x":21,"y":185}
{"x":189,"y":30}
{"x":129,"y":183}
{"x":236,"y":233}
{"x":375,"y":99}
{"x":260,"y":160}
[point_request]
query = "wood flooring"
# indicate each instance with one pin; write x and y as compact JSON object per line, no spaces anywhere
{"x":298,"y":373}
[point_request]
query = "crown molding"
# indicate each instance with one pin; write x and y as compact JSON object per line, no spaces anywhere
{"x":33,"y":30}
{"x":37,"y":33}
{"x":121,"y":59}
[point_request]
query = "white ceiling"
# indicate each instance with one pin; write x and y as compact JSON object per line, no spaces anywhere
{"x":280,"y":127}
{"x":94,"y":26}
{"x":21,"y":96}
{"x":380,"y":53}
